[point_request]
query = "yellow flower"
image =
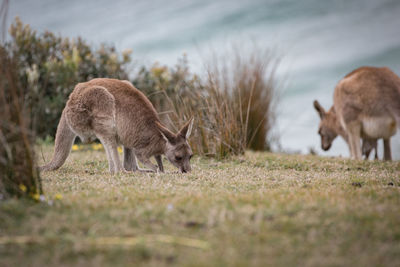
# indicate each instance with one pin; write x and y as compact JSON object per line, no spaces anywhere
{"x":127,"y":52}
{"x":97,"y":146}
{"x":75,"y":147}
{"x":119,"y":149}
{"x":36,"y":196}
{"x":158,"y":70}
{"x":75,"y":55}
{"x":58,"y":196}
{"x":126,"y":55}
{"x":22,"y":187}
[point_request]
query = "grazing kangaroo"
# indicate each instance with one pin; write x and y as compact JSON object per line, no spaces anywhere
{"x":366,"y":105}
{"x":330,"y":128}
{"x":116,"y":112}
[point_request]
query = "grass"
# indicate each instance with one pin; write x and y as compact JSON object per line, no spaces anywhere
{"x":259,"y":209}
{"x":233,"y":102}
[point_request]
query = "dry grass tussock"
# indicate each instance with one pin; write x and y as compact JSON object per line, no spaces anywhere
{"x":258,"y":209}
{"x":243,"y":98}
{"x":233,"y":104}
{"x":18,"y":172}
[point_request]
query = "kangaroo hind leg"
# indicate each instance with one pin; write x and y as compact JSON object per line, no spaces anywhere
{"x":130,"y":162}
{"x":353,"y":131}
{"x":387,"y":150}
{"x":111,"y":147}
{"x":101,"y":104}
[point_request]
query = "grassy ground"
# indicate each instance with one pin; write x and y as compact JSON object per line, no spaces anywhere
{"x":260,"y":209}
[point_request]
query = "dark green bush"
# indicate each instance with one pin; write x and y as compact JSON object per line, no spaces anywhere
{"x":50,"y":66}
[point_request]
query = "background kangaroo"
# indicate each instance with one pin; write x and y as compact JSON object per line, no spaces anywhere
{"x":367,"y":106}
{"x":116,"y":112}
{"x":330,"y":128}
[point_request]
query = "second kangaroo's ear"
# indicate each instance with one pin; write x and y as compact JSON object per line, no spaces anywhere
{"x":186,"y":129}
{"x":167,"y":134}
{"x":320,"y":109}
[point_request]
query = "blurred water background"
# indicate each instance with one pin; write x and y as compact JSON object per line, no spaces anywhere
{"x":318,"y":42}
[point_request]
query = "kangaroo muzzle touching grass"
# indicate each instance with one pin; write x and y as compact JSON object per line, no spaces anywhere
{"x":117,"y":113}
{"x":366,"y":106}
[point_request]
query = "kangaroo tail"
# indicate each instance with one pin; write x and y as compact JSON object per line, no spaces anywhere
{"x":64,"y":140}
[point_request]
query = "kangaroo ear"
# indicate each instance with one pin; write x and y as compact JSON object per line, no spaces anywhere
{"x":186,"y":129}
{"x":166,"y":134}
{"x":320,"y":109}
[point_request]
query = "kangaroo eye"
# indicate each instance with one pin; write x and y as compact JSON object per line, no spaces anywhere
{"x":178,"y":158}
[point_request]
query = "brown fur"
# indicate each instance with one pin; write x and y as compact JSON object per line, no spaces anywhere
{"x":368,"y":145}
{"x":367,"y":106}
{"x":330,"y":128}
{"x":116,"y":113}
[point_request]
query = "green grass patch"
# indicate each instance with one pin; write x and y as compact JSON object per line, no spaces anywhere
{"x":258,"y":209}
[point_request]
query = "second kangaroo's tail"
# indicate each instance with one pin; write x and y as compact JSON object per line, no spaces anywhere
{"x":64,"y":139}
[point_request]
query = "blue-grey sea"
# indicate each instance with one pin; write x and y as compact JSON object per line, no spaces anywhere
{"x":318,"y":41}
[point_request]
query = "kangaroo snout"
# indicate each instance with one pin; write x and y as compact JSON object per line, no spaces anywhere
{"x":185,"y":168}
{"x":325,"y":147}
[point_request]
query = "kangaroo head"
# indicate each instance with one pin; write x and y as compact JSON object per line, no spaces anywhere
{"x":327,"y":126}
{"x":178,"y":151}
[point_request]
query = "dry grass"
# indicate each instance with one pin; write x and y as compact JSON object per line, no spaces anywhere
{"x":233,"y":104}
{"x":258,"y":209}
{"x":239,"y":102}
{"x":242,"y":90}
{"x":18,"y":174}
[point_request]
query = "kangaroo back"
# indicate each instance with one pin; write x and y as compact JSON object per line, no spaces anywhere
{"x":135,"y":114}
{"x":392,"y":83}
{"x":64,"y":140}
